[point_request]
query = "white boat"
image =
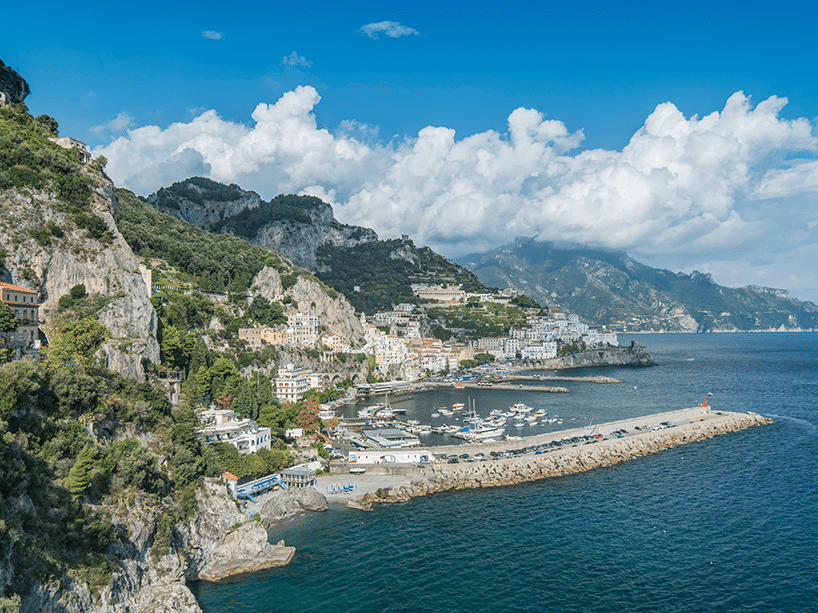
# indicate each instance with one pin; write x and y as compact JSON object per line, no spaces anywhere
{"x":457,"y":406}
{"x":521,"y":408}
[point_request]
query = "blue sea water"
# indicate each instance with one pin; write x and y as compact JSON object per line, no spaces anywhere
{"x":726,"y":524}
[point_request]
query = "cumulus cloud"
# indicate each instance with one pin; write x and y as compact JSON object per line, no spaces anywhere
{"x":681,"y":185}
{"x":212,"y":35}
{"x":295,"y":60}
{"x":391,"y":28}
{"x":122,"y":121}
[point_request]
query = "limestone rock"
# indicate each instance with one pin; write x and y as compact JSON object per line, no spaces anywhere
{"x":284,"y":502}
{"x":205,"y":211}
{"x":13,"y":85}
{"x":107,"y":269}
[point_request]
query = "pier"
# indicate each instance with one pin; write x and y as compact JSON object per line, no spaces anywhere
{"x":538,"y":457}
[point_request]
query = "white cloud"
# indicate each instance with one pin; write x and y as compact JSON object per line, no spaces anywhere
{"x":295,"y":60}
{"x":391,"y":28}
{"x":680,"y":186}
{"x":122,"y":121}
{"x":212,"y":35}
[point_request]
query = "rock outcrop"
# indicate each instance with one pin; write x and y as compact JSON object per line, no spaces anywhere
{"x":300,"y":241}
{"x":634,"y":355}
{"x":443,"y":477}
{"x":285,"y":502}
{"x":12,"y":85}
{"x":220,"y":542}
{"x":106,"y":267}
{"x":195,"y":202}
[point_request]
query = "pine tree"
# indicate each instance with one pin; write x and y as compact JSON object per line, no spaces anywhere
{"x":79,"y":477}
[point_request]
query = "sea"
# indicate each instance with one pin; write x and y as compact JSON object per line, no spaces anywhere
{"x":722,"y":525}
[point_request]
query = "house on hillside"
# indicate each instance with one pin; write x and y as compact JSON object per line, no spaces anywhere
{"x":79,"y":148}
{"x":25,"y":340}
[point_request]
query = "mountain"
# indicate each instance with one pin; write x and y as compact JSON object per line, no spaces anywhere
{"x":304,"y":229}
{"x":612,"y":289}
{"x":294,"y":226}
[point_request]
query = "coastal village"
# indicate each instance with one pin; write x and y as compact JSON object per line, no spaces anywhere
{"x":133,"y":392}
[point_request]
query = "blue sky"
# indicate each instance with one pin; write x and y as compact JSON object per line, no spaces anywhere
{"x":408,"y":111}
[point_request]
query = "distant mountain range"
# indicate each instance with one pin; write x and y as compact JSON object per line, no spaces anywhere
{"x":609,"y":288}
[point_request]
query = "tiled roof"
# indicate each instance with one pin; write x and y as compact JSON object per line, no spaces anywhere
{"x":16,"y":288}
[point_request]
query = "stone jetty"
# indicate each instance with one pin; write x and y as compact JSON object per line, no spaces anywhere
{"x":699,"y":425}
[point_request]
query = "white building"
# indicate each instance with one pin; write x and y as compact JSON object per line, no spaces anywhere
{"x":539,"y":351}
{"x":303,"y":329}
{"x":245,"y":435}
{"x":291,"y":383}
{"x":391,"y":456}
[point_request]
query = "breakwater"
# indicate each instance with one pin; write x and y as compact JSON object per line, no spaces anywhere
{"x":698,"y":424}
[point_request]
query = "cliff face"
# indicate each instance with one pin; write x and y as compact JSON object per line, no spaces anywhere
{"x":218,"y":541}
{"x":300,"y":241}
{"x":335,"y":313}
{"x":13,"y":85}
{"x":196,"y":202}
{"x":295,"y":226}
{"x":53,"y":265}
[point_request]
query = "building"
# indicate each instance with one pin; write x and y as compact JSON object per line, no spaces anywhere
{"x":256,"y":337}
{"x":77,"y":146}
{"x":438,"y":293}
{"x":391,"y":437}
{"x":303,"y":329}
{"x":391,"y":456}
{"x":291,"y":383}
{"x":297,"y":477}
{"x":26,"y":307}
{"x":221,"y":425}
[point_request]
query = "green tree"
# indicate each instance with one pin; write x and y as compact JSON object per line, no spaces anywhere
{"x":78,"y":292}
{"x":79,"y":477}
{"x":48,"y":123}
{"x":8,"y":322}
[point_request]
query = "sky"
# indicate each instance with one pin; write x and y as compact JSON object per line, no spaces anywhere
{"x":684,"y":135}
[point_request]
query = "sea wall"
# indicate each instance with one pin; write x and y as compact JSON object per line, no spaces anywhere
{"x":531,"y":467}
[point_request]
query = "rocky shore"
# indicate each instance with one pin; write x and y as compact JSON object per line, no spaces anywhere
{"x":508,"y":471}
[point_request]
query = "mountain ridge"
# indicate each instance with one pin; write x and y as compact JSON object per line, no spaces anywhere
{"x":613,"y":289}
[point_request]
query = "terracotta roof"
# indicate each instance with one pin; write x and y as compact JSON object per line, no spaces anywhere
{"x":230,"y":477}
{"x":16,"y":288}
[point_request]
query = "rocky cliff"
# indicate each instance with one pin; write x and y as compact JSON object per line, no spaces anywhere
{"x":332,"y":310}
{"x":13,"y":85}
{"x":203,"y":202}
{"x":52,"y":262}
{"x":633,"y":355}
{"x":217,"y":542}
{"x":295,"y":226}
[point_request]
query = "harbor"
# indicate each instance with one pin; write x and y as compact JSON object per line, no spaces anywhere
{"x":554,"y":455}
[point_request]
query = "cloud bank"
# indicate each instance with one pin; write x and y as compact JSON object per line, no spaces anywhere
{"x":714,"y":186}
{"x":391,"y":28}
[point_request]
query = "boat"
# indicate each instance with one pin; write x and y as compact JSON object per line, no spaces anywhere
{"x":435,"y":413}
{"x":357,"y":470}
{"x":478,"y":429}
{"x":457,"y":406}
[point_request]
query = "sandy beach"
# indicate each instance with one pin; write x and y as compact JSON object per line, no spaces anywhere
{"x":332,"y":486}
